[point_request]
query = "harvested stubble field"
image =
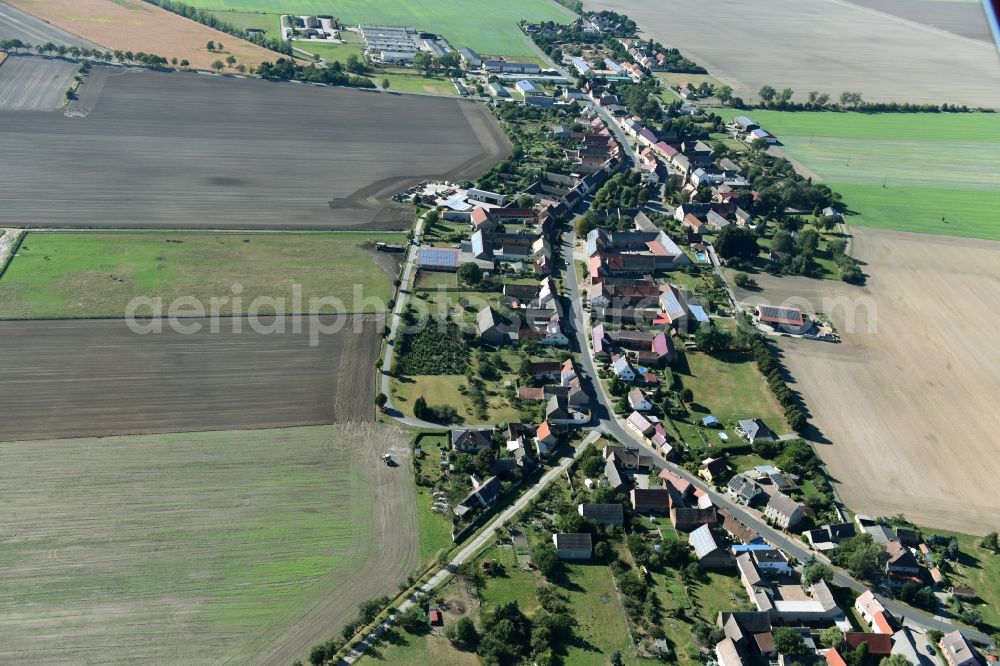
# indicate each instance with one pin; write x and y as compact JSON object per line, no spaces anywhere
{"x":961,"y":17}
{"x":34,"y":84}
{"x":824,"y":45}
{"x":76,"y":378}
{"x":487,"y":26}
{"x":229,"y":547}
{"x":189,"y":150}
{"x":137,"y":26}
{"x":909,"y":410}
{"x":934,"y":173}
{"x":96,"y":274}
{"x":15,"y":24}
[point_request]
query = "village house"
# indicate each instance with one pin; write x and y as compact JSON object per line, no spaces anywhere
{"x":754,"y":430}
{"x":491,"y":328}
{"x":573,"y":546}
{"x":743,"y":489}
{"x":783,"y":511}
{"x":686,"y":518}
{"x":750,"y":632}
{"x":484,"y":495}
{"x":637,"y":401}
{"x":650,"y":501}
{"x":603,"y":514}
{"x":784,"y":320}
{"x":708,"y":550}
{"x":957,"y":651}
{"x":545,"y":439}
{"x":471,"y":441}
{"x":871,"y":609}
{"x":712,"y":469}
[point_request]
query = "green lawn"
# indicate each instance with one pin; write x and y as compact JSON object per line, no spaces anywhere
{"x":488,"y":27}
{"x":401,"y":80}
{"x":515,"y":584}
{"x":214,"y":542}
{"x":720,"y":592}
{"x":269,"y":23}
{"x":594,"y":604}
{"x":89,"y":274}
{"x":328,"y":52}
{"x":980,"y":569}
{"x":731,"y":388}
{"x":903,"y":171}
{"x":443,"y":390}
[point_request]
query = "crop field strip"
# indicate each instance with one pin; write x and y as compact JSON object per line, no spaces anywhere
{"x":95,"y":274}
{"x":486,"y":26}
{"x":935,"y":173}
{"x":825,"y":45}
{"x":298,"y":157}
{"x":242,"y":546}
{"x":75,"y":378}
{"x":34,"y":84}
{"x":135,"y":25}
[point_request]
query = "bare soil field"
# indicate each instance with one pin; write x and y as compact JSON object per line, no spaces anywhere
{"x":34,"y":84}
{"x":83,"y":378}
{"x":197,"y":151}
{"x":965,"y":18}
{"x":239,"y":547}
{"x":15,"y":24}
{"x":909,"y":409}
{"x":134,"y":25}
{"x":825,"y":45}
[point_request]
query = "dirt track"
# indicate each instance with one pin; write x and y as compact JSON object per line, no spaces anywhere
{"x":910,"y":410}
{"x":83,"y":378}
{"x":243,"y":153}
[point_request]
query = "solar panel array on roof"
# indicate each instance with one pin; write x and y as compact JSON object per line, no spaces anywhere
{"x":780,"y":315}
{"x":438,"y":256}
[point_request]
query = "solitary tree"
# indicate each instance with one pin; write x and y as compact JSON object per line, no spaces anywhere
{"x":230,"y":60}
{"x":470,"y":273}
{"x":724,"y":94}
{"x":210,"y":45}
{"x":185,"y":63}
{"x":385,"y":84}
{"x":218,"y":65}
{"x":767,"y":94}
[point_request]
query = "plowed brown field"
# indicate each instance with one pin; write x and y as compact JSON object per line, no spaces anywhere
{"x":133,"y":25}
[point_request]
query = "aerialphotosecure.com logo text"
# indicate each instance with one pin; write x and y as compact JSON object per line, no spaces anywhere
{"x":328,"y":315}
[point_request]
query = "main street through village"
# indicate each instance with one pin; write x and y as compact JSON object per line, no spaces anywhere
{"x":604,"y":421}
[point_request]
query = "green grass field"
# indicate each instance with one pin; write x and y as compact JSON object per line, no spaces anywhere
{"x":328,"y":52}
{"x":269,"y":23}
{"x":486,"y":26}
{"x":732,"y":388}
{"x":90,"y":274}
{"x":979,"y":569}
{"x":903,"y":171}
{"x":180,"y":548}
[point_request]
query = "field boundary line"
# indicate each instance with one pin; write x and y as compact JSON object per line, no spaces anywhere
{"x":13,"y":251}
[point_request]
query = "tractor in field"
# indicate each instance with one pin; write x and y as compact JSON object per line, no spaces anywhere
{"x":387,"y":459}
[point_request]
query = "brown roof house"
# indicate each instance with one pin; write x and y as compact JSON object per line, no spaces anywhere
{"x":713,"y":468}
{"x":650,"y":500}
{"x":686,"y":518}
